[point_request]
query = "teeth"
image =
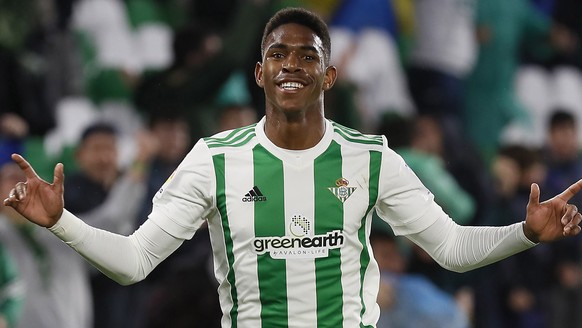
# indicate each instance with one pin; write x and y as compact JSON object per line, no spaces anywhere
{"x":291,"y":85}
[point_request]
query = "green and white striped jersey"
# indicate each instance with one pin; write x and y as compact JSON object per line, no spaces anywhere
{"x":290,"y":229}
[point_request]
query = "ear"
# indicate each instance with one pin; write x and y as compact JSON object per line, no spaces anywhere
{"x":259,"y":74}
{"x":330,"y":77}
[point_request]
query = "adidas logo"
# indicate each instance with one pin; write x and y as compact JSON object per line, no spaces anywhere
{"x":254,"y":195}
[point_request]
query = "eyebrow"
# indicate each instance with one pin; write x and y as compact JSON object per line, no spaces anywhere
{"x":284,"y":46}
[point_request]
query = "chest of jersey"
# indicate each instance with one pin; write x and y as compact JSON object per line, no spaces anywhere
{"x":294,"y":208}
{"x":293,"y":232}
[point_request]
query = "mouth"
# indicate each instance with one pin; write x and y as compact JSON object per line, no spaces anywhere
{"x":291,"y":86}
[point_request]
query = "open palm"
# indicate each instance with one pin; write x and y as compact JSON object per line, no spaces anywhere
{"x":554,"y":218}
{"x":37,"y":200}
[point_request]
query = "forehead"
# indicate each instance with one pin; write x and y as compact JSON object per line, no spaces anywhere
{"x":99,"y":136}
{"x":294,"y":35}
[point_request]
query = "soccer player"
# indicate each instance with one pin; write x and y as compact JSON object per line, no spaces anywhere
{"x":289,"y":203}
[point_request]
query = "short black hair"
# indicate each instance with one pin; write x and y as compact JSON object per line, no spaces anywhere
{"x":303,"y":17}
{"x":561,"y":117}
{"x":98,"y":127}
{"x":188,"y":39}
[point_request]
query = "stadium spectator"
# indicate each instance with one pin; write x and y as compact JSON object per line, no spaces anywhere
{"x":99,"y":192}
{"x":54,"y":290}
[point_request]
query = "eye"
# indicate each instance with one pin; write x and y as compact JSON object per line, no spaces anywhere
{"x":277,"y":55}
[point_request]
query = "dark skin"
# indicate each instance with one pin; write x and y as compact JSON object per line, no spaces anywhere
{"x":294,"y":118}
{"x":294,"y":75}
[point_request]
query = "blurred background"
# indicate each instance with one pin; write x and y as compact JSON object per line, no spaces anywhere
{"x":481,"y":98}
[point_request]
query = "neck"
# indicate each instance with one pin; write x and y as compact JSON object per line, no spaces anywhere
{"x":295,"y":131}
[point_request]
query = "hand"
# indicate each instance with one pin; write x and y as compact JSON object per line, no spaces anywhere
{"x":37,"y":200}
{"x":554,"y":218}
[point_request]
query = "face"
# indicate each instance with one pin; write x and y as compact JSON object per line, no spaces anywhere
{"x":293,"y":72}
{"x":97,"y":157}
{"x":429,"y":136}
{"x":564,"y":142}
{"x":174,"y":139}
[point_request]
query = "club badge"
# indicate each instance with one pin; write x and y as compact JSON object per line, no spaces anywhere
{"x":342,"y":191}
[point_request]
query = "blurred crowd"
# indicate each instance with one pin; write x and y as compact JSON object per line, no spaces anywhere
{"x":480,"y":97}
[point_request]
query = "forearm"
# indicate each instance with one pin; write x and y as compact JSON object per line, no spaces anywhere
{"x":125,"y":259}
{"x":463,"y":248}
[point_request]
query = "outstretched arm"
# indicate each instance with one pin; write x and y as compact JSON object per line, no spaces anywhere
{"x":125,"y":259}
{"x":463,"y":248}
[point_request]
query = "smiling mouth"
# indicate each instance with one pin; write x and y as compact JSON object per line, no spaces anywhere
{"x":291,"y":86}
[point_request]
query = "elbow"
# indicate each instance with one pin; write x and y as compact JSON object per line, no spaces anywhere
{"x":459,"y":266}
{"x":455,"y":268}
{"x":127,"y":282}
{"x":125,"y":279}
{"x":453,"y":263}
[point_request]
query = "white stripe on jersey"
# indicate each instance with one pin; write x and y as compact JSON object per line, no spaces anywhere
{"x":301,"y":291}
{"x":356,"y":166}
{"x":239,"y":168}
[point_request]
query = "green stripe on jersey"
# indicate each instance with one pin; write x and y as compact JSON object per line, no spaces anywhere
{"x":329,"y":216}
{"x":219,"y":168}
{"x":356,"y":136}
{"x":270,"y":221}
{"x":375,"y":163}
{"x":237,"y":137}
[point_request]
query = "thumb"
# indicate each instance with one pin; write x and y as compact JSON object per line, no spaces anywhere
{"x":534,"y":195}
{"x":59,"y":177}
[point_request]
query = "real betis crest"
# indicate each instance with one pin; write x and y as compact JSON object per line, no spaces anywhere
{"x":342,"y":191}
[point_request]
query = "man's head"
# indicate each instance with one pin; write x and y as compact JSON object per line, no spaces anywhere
{"x":97,"y":153}
{"x":563,"y":136}
{"x":173,"y":135}
{"x":302,"y":17}
{"x":294,"y":71}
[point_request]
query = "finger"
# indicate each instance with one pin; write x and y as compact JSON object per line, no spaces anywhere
{"x":59,"y":177}
{"x":534,"y":195}
{"x":569,"y":214}
{"x":573,"y":228}
{"x":572,"y":231}
{"x":12,"y":193}
{"x":567,"y":194}
{"x":20,"y":190}
{"x":8,"y":202}
{"x":11,"y":199}
{"x":24,"y":166}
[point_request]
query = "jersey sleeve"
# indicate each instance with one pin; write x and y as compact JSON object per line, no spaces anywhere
{"x":125,"y":259}
{"x":186,"y":199}
{"x":403,"y":201}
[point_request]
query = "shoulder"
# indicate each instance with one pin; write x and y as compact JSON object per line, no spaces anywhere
{"x":232,"y":140}
{"x":353,"y":138}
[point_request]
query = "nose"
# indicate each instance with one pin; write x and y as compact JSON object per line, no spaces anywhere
{"x":292,"y":63}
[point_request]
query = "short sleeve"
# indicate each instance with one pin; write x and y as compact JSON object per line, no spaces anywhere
{"x":185,"y":200}
{"x":403,"y":201}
